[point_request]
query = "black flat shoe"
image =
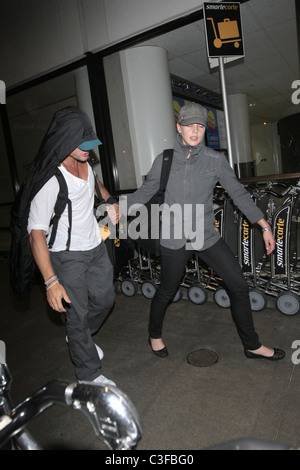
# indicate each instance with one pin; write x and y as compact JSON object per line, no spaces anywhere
{"x":161,"y":352}
{"x":278,"y":354}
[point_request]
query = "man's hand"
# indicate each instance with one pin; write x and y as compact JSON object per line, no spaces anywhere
{"x":58,"y":298}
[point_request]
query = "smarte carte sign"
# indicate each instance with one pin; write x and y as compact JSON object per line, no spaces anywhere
{"x":223,"y":28}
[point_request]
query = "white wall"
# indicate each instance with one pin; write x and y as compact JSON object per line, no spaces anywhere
{"x":37,"y":36}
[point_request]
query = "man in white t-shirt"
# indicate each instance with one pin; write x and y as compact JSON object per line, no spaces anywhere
{"x":78,"y":280}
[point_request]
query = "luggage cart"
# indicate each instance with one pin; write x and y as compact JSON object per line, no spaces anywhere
{"x":226,"y":220}
{"x":144,"y":272}
{"x":263,"y":276}
{"x":279,"y":277}
{"x":193,"y":281}
{"x":139,"y":271}
{"x":247,"y":260}
{"x":285,"y":280}
{"x":228,"y":32}
{"x":251,"y":252}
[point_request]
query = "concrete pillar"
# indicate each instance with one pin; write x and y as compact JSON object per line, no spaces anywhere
{"x":240,"y":135}
{"x":119,"y":122}
{"x":148,"y":92}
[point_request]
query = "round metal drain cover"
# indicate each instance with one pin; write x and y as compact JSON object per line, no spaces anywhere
{"x":202,"y":358}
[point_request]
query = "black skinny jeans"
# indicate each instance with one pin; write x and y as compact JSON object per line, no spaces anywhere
{"x":221,"y":259}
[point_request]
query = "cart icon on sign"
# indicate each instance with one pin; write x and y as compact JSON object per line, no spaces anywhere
{"x":228,"y":32}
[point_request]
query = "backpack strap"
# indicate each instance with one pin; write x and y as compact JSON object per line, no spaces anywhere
{"x":97,"y":189}
{"x":60,"y":205}
{"x":165,"y":170}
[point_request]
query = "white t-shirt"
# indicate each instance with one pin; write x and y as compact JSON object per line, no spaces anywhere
{"x":85,"y":233}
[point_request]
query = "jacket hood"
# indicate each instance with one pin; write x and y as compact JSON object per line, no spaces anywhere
{"x":69,"y":128}
{"x":181,"y":149}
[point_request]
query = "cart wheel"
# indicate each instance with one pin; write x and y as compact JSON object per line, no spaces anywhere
{"x":288,"y":303}
{"x":258,"y":300}
{"x":217,"y":43}
{"x":148,"y":289}
{"x":128,"y":287}
{"x":178,"y":296}
{"x":222,"y":298}
{"x":197,"y":294}
{"x":236,"y":44}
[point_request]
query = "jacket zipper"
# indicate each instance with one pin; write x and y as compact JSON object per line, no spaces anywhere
{"x":186,"y":174}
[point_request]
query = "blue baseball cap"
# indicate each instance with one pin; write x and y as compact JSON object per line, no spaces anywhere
{"x":89,"y":144}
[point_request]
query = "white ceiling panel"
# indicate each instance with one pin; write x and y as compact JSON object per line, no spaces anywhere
{"x":181,"y":68}
{"x":271,"y":12}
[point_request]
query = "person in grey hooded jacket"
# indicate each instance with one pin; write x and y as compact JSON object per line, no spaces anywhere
{"x":194,"y":173}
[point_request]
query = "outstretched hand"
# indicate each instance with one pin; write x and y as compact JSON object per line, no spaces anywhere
{"x":269,"y":241}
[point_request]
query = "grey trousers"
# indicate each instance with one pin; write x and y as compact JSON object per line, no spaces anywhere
{"x":87,"y":277}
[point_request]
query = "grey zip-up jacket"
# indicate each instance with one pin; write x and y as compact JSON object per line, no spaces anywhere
{"x":194,"y":174}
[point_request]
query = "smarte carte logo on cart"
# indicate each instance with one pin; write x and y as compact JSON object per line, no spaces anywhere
{"x":245,"y":243}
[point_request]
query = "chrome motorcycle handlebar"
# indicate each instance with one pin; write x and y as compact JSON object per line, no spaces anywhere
{"x":111,"y":413}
